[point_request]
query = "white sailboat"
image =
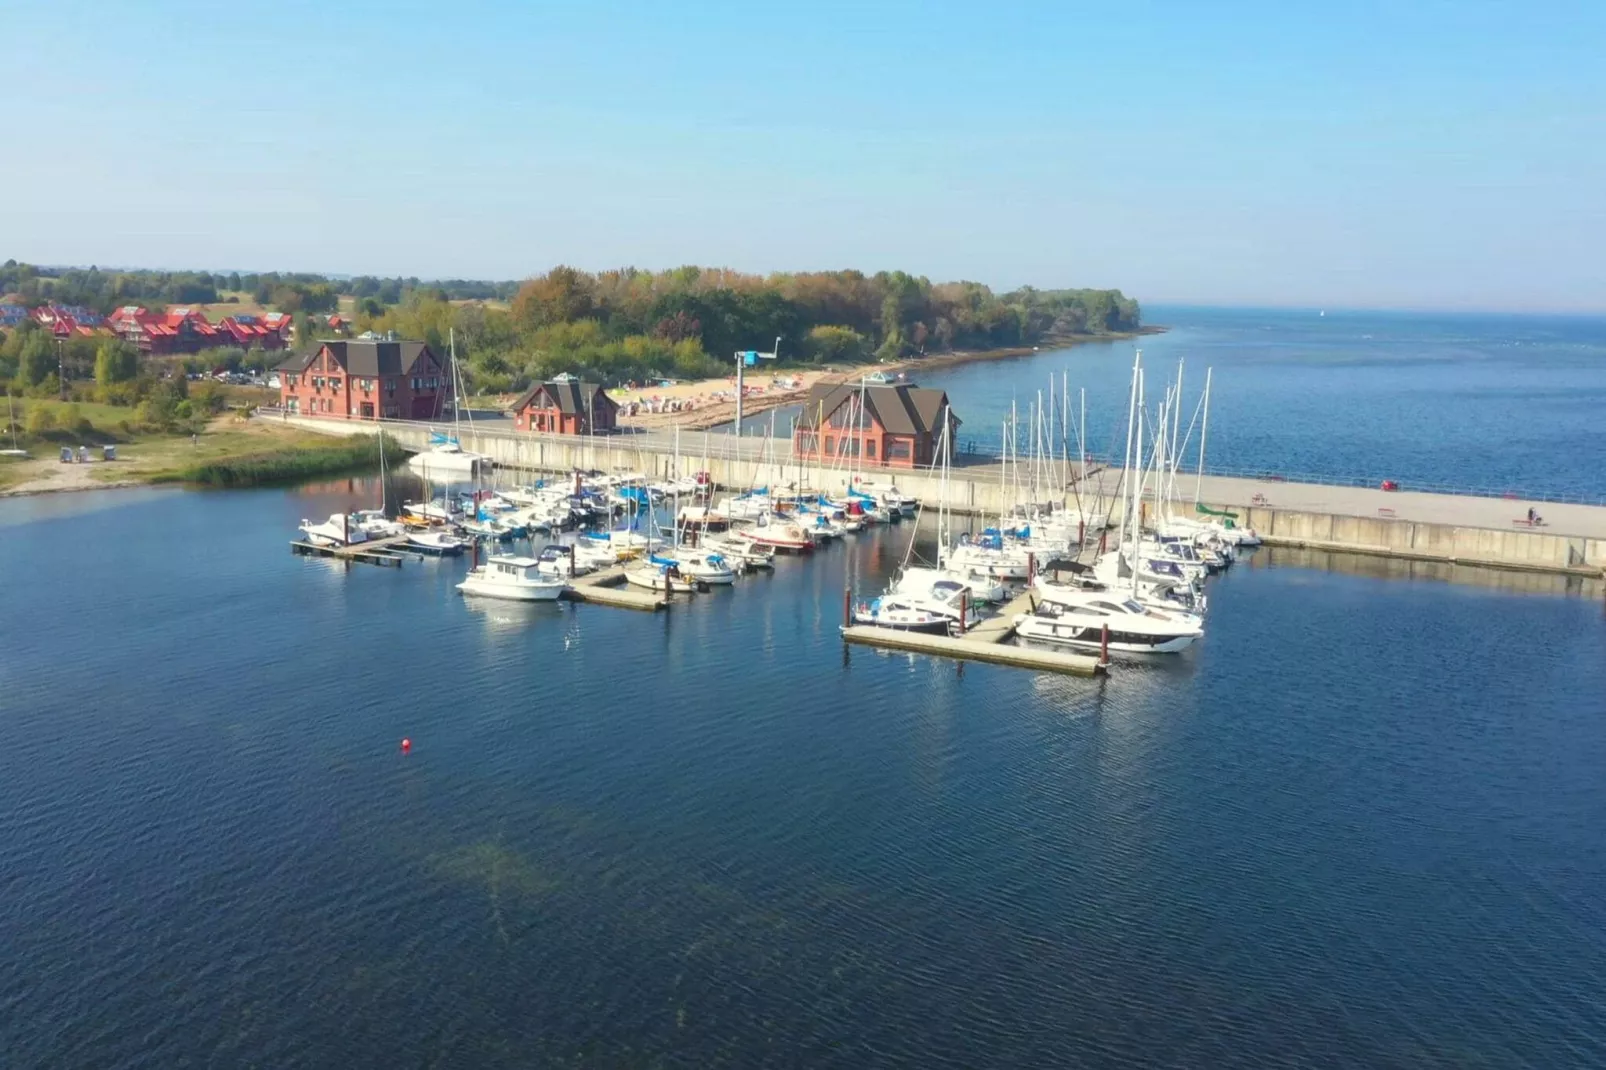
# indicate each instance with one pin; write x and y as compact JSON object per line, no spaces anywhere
{"x":446,"y":457}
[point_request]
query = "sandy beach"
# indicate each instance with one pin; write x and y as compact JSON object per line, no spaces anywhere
{"x":701,"y":403}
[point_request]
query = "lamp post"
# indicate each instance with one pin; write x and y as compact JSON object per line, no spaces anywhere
{"x":61,"y":366}
{"x":744,"y":357}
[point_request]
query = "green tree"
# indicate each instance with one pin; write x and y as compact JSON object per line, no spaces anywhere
{"x":835,"y":345}
{"x":115,"y":362}
{"x":37,"y":358}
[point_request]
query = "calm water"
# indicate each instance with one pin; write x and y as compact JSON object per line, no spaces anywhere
{"x":1363,"y":824}
{"x":1490,"y":403}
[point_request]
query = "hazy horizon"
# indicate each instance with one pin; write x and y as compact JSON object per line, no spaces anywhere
{"x":1392,"y":159}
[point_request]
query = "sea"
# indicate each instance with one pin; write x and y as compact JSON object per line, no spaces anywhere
{"x":1486,"y":404}
{"x":1361,"y":824}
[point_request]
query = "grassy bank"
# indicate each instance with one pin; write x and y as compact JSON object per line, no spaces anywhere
{"x":280,"y":464}
{"x":229,"y":453}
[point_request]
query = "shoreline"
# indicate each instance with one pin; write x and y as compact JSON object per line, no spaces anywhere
{"x":723,"y":410}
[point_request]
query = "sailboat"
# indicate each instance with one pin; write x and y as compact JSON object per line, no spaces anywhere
{"x":446,"y":456}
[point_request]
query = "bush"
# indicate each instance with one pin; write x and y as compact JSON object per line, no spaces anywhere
{"x":40,"y":419}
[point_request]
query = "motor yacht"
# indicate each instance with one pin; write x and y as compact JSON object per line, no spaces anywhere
{"x":517,"y":579}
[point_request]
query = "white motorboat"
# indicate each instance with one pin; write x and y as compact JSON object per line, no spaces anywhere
{"x":446,"y":459}
{"x":656,"y":577}
{"x":933,"y":591}
{"x":1078,"y":619}
{"x":750,"y":554}
{"x":562,"y":562}
{"x":780,"y":532}
{"x":517,"y":579}
{"x":709,"y":566}
{"x":902,"y":614}
{"x":376,"y":525}
{"x":945,"y":583}
{"x":753,"y":506}
{"x":338,"y":530}
{"x":436,"y":542}
{"x":988,"y":556}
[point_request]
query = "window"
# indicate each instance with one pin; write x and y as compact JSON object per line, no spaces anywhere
{"x":830,"y":443}
{"x":899,"y":449}
{"x":807,"y":441}
{"x":849,"y":413}
{"x":418,"y":383}
{"x":390,"y":386}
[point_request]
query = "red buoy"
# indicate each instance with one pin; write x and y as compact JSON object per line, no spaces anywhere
{"x":407,"y":745}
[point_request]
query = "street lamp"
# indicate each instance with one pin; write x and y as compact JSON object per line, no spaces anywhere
{"x":746,"y":358}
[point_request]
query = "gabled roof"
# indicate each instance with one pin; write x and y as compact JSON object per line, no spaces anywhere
{"x":368,"y":358}
{"x":296,"y":362}
{"x":569,"y":395}
{"x":900,"y":410}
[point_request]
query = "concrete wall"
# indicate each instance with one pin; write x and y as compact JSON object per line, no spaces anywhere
{"x":1414,"y":540}
{"x":983,"y":495}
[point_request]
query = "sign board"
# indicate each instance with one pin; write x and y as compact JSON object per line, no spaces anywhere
{"x":750,"y":358}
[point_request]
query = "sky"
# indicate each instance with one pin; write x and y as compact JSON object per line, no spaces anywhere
{"x":1403,"y":155}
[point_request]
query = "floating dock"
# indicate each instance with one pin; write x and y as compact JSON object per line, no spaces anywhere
{"x":969,"y":649}
{"x":606,"y":588}
{"x":372,"y":552}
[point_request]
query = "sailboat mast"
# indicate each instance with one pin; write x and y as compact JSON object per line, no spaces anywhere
{"x":1137,"y":484}
{"x":1204,"y":433}
{"x":1126,"y":458}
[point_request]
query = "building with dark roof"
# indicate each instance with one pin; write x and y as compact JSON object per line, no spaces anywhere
{"x":893,"y":426}
{"x":364,"y":380}
{"x":566,"y":406}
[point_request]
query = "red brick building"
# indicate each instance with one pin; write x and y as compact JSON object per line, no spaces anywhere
{"x":898,"y":426}
{"x":568,"y":407}
{"x":365,"y":380}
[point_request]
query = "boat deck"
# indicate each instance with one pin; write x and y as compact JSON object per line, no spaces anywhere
{"x":605,"y":587}
{"x":1001,"y":626}
{"x":372,"y":552}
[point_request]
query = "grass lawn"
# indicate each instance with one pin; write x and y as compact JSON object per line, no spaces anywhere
{"x":247,"y":306}
{"x":151,"y":458}
{"x":11,"y":471}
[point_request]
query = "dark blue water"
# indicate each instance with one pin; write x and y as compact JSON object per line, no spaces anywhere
{"x":1492,"y":404}
{"x":1363,"y":824}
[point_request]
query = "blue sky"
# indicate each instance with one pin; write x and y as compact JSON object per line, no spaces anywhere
{"x":1432,"y":155}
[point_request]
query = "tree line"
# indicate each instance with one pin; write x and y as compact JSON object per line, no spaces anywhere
{"x":627,"y":324}
{"x":689,"y":321}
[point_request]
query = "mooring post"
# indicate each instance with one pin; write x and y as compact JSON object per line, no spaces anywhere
{"x":1081,"y":533}
{"x":1104,"y":646}
{"x":847,"y":607}
{"x":1031,"y":567}
{"x":1104,"y":540}
{"x":964,"y":609}
{"x":473,"y":553}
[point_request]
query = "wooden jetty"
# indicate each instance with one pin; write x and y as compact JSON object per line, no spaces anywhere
{"x":974,"y":650}
{"x":371,"y":552}
{"x":984,"y":642}
{"x":605,"y":587}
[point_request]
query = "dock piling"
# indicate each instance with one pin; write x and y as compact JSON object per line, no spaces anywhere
{"x":1104,"y":645}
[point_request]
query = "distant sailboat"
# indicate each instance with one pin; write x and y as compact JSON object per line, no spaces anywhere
{"x":1323,"y":312}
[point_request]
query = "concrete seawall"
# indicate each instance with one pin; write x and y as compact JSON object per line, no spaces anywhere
{"x":1453,"y":530}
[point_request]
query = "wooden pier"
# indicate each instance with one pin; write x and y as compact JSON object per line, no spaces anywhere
{"x":969,"y":649}
{"x":372,"y":552}
{"x":606,"y":587}
{"x":984,"y":642}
